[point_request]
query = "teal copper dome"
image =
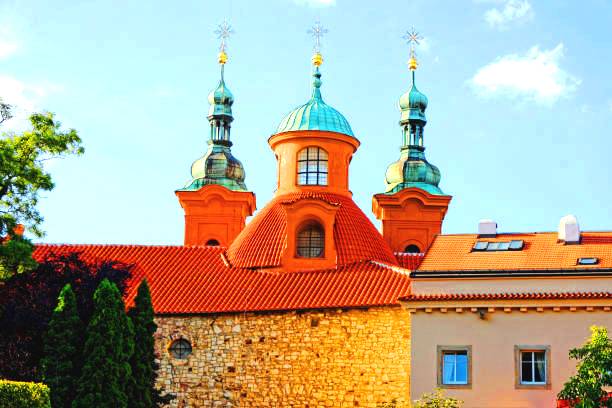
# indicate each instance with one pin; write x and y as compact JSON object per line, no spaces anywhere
{"x":220,"y":99}
{"x":315,"y":114}
{"x":217,"y":166}
{"x":413,"y":170}
{"x":413,"y":104}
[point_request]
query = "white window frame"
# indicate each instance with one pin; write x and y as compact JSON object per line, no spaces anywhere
{"x":441,"y":352}
{"x":518,"y":357}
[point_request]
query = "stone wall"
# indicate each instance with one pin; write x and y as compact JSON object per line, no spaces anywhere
{"x":328,"y":358}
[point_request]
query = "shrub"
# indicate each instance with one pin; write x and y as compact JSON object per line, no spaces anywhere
{"x":15,"y":394}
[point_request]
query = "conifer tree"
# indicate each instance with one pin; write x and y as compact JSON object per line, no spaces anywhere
{"x":62,"y":343}
{"x":109,"y":345}
{"x":141,"y":391}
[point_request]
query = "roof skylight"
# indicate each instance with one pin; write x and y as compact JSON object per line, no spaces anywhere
{"x":514,"y":245}
{"x":588,"y":261}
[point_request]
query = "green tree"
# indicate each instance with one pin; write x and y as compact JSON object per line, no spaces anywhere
{"x":109,"y":345}
{"x":437,"y":399}
{"x":142,"y":392}
{"x":62,"y":343}
{"x":593,"y":372}
{"x":22,"y":178}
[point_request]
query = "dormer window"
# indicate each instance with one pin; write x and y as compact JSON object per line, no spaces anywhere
{"x":312,"y":167}
{"x":311,"y":241}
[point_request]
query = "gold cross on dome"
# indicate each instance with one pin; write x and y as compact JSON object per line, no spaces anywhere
{"x":317,"y":31}
{"x":223,"y":31}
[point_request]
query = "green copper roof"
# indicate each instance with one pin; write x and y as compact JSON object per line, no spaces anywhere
{"x":217,"y":166}
{"x":315,"y":114}
{"x":412,"y":104}
{"x":413,"y":170}
{"x":220,"y":99}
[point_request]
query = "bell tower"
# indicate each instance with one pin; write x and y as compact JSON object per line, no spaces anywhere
{"x":412,"y":207}
{"x":216,"y":201}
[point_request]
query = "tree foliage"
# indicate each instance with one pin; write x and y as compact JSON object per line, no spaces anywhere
{"x":108,"y":348}
{"x":27,"y":302}
{"x":437,"y":399}
{"x":62,"y":344}
{"x":23,"y":176}
{"x":5,"y":111}
{"x":593,"y":372}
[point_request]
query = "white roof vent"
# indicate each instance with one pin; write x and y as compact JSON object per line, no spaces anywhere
{"x":487,"y":228}
{"x":569,"y":230}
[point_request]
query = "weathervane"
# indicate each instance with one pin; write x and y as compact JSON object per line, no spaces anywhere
{"x":223,"y":31}
{"x":413,"y":38}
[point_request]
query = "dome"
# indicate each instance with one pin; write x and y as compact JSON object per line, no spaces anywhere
{"x":413,"y":170}
{"x":220,"y":100}
{"x":262,"y":242}
{"x":315,"y":114}
{"x":217,"y":166}
{"x":413,"y":104}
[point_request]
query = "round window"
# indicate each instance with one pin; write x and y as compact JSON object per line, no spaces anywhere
{"x":180,"y":349}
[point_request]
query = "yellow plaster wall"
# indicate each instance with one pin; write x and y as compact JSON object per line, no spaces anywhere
{"x":332,"y":358}
{"x":493,"y":340}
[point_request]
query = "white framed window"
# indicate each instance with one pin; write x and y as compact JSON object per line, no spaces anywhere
{"x":532,"y":366}
{"x":312,"y":166}
{"x":454,"y":366}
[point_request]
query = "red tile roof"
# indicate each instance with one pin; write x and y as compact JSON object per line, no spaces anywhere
{"x":507,"y":296}
{"x":541,"y":252}
{"x":197,"y":280}
{"x":409,"y":261}
{"x":262,"y":241}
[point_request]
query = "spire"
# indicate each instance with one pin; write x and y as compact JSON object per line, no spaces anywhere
{"x":218,"y":165}
{"x":317,"y":31}
{"x":413,"y":169}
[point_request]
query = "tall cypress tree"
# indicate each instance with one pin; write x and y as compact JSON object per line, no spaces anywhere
{"x":109,"y":345}
{"x":142,"y":390}
{"x":62,"y":343}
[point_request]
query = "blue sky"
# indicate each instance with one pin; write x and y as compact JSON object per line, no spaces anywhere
{"x":520,"y":102}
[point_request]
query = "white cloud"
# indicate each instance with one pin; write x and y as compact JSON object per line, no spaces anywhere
{"x":315,"y":3}
{"x":25,"y":99}
{"x":535,"y":76}
{"x":513,"y":11}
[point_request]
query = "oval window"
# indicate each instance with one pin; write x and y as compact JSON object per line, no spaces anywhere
{"x":180,"y":349}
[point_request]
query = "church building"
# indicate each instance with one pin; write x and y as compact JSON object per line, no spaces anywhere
{"x":308,"y":304}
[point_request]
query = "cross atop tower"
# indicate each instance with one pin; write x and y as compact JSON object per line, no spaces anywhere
{"x":317,"y":31}
{"x":413,"y":38}
{"x":223,"y":31}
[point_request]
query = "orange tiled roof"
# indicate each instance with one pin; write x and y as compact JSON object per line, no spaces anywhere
{"x":198,"y":280}
{"x":409,"y":261}
{"x":508,"y":296}
{"x":541,"y":252}
{"x":261,"y":243}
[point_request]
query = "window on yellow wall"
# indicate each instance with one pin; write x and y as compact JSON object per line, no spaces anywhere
{"x":532,"y":366}
{"x":312,"y":166}
{"x":311,"y":241}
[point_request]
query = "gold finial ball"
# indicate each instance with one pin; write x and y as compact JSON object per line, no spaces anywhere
{"x":412,"y":63}
{"x":317,"y":59}
{"x":222,"y":57}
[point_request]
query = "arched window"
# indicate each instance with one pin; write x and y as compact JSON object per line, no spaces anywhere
{"x":180,"y":349}
{"x":312,"y":166}
{"x":412,"y":249}
{"x":311,"y":241}
{"x":212,"y":242}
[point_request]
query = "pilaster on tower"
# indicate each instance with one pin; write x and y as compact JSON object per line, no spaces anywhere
{"x":216,"y":201}
{"x":413,"y":207}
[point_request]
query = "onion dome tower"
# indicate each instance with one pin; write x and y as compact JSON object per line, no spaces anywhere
{"x":413,"y":206}
{"x":312,"y":223}
{"x":216,"y":201}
